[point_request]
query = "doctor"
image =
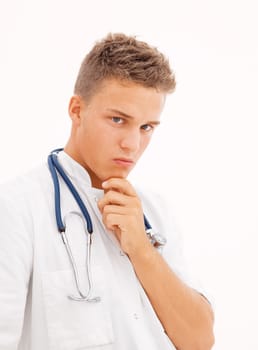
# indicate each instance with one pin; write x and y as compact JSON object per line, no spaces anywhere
{"x":144,"y":298}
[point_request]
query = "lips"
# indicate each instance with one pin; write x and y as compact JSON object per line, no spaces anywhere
{"x":124,"y":161}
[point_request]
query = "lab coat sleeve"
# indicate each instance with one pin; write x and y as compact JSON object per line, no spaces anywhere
{"x":15,"y":267}
{"x":174,"y":253}
{"x":160,"y":213}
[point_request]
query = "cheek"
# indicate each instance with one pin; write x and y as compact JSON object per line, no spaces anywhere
{"x":100,"y":145}
{"x":145,"y":142}
{"x":89,"y":135}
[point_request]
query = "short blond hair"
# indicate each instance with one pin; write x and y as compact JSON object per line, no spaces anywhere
{"x":124,"y":58}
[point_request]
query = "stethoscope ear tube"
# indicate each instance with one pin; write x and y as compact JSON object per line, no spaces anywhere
{"x":82,"y":297}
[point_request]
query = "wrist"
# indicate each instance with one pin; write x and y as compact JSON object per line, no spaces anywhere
{"x":142,"y":253}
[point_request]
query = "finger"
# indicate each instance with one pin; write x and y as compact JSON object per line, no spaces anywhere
{"x":112,"y":197}
{"x":111,"y":218}
{"x":113,"y":221}
{"x":114,"y":209}
{"x":119,"y":185}
{"x":120,"y":199}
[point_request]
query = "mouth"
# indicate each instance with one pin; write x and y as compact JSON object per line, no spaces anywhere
{"x":124,"y":162}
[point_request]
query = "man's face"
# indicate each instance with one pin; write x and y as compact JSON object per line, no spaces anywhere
{"x":113,"y":130}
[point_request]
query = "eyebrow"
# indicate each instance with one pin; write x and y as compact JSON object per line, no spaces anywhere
{"x":125,"y":115}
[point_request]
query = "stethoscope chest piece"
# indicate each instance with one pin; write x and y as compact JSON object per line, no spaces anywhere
{"x":157,"y":240}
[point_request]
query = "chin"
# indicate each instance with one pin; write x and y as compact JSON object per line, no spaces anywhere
{"x":117,"y":174}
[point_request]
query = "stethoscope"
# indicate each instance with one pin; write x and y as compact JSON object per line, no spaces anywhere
{"x":55,"y":168}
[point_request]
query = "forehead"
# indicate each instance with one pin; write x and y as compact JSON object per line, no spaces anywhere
{"x":129,"y":98}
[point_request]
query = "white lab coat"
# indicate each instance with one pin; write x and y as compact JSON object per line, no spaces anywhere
{"x":36,"y":275}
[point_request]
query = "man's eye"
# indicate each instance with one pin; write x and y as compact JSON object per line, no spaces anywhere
{"x":117,"y":120}
{"x":147,"y":127}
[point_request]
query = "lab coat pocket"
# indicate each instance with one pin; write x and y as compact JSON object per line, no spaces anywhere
{"x":76,"y":325}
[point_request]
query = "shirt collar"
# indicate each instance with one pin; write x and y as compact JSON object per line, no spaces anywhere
{"x":78,"y":174}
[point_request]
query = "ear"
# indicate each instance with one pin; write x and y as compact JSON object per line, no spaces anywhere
{"x":75,"y":109}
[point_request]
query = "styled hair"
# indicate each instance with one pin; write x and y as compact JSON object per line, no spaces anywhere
{"x":127,"y":59}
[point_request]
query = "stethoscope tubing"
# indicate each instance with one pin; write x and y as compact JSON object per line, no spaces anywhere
{"x":55,"y":169}
{"x":54,"y":165}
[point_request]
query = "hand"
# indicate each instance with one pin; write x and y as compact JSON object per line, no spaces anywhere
{"x":122,"y":213}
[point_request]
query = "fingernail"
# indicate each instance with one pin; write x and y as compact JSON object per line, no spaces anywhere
{"x":104,"y":184}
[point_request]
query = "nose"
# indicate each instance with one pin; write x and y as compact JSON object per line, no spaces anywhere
{"x":131,"y":141}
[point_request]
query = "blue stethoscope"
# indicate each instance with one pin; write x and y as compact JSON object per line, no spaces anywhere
{"x":55,"y":168}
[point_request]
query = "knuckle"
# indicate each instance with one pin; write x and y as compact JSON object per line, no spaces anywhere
{"x":105,"y":210}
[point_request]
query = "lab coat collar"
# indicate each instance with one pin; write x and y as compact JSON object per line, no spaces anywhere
{"x":77,"y":174}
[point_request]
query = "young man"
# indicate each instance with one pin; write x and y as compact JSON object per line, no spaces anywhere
{"x":113,"y":288}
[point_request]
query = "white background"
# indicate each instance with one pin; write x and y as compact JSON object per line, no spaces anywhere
{"x":203,"y":157}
